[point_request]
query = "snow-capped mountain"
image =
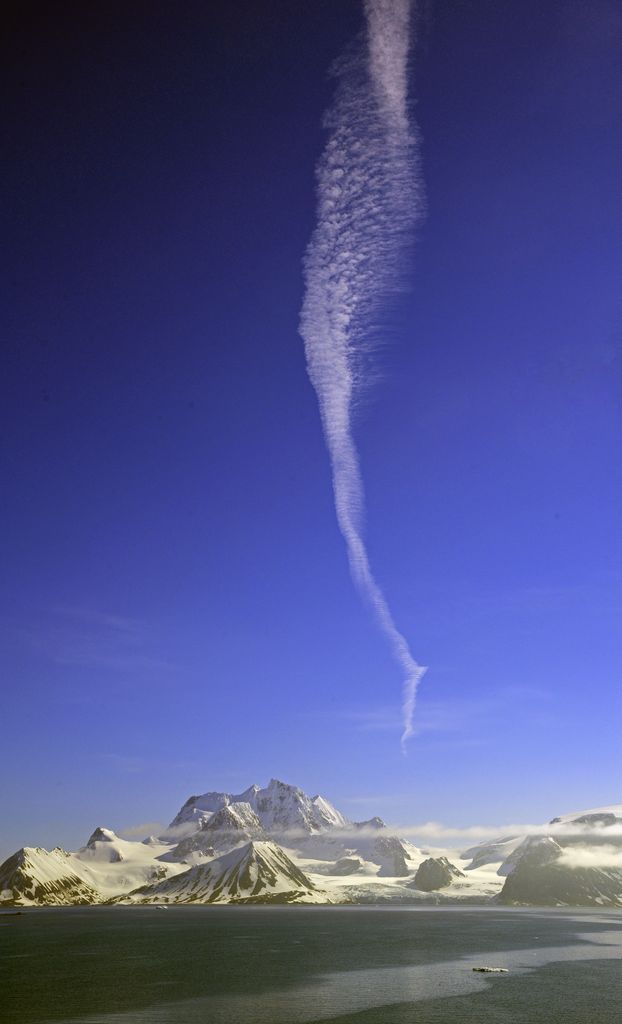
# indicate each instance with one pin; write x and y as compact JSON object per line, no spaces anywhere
{"x":605,"y":817}
{"x":230,"y":826}
{"x":104,"y":867}
{"x":38,"y":876}
{"x":259,"y":872}
{"x":579,"y":863}
{"x":543,"y":874}
{"x":575,"y":860}
{"x":279,"y":844}
{"x":279,"y":808}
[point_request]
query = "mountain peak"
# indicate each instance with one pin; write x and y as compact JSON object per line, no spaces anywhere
{"x":102,"y":835}
{"x":258,"y":872}
{"x":39,"y":876}
{"x":234,"y":818}
{"x":279,"y":786}
{"x":279,"y":806}
{"x":371,"y":823}
{"x":247,"y":795}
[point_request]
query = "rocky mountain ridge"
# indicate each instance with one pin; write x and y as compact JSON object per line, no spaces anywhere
{"x":277,"y":844}
{"x":278,"y":807}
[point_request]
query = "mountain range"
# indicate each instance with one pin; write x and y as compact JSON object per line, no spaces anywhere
{"x":278,"y":845}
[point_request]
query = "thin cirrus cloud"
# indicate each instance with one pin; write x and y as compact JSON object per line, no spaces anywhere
{"x":368,"y":200}
{"x":142,"y":830}
{"x":85,"y":637}
{"x":455,"y":716}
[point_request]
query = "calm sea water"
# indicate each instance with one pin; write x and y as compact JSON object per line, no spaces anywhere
{"x":298,"y":965}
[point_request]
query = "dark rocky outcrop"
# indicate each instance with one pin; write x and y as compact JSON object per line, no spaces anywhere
{"x":347,"y":866}
{"x":435,"y":873}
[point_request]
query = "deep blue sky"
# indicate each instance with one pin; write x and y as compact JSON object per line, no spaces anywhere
{"x":176,"y":609}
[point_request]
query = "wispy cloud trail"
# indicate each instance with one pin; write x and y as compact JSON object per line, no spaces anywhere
{"x":368,"y":202}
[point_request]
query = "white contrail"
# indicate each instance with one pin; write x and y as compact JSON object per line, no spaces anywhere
{"x":368,"y":201}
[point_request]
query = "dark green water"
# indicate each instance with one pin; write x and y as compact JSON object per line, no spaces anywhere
{"x":260,"y":965}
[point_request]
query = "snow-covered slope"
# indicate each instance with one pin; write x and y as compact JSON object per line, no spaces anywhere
{"x":112,"y":865}
{"x":106,"y":866}
{"x":43,"y":877}
{"x":604,"y":816}
{"x":257,"y":872}
{"x":491,"y":852}
{"x":233,"y":823}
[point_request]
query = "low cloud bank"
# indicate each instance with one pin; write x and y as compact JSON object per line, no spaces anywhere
{"x":600,"y":856}
{"x":431,"y":831}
